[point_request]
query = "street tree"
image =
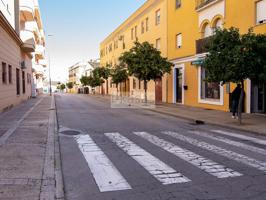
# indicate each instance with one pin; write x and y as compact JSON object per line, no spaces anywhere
{"x":84,"y":81}
{"x":119,"y":75}
{"x":70,"y":85}
{"x":234,"y":58}
{"x":62,"y":86}
{"x":145,"y":63}
{"x":103,"y":73}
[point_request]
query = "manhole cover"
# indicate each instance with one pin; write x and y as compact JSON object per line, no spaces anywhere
{"x":70,"y":132}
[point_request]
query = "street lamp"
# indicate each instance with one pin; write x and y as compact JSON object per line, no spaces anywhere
{"x":50,"y":81}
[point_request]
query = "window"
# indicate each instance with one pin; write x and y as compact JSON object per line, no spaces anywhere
{"x":28,"y":78}
{"x":110,"y":47}
{"x":136,"y":31}
{"x":4,"y":73}
{"x":9,"y":74}
{"x":142,"y":27}
{"x":132,"y":33}
{"x":177,"y":4}
{"x":18,"y":81}
{"x":261,"y":12}
{"x":157,"y":17}
{"x":158,"y":44}
{"x":207,"y":31}
{"x":179,"y":40}
{"x":209,"y":90}
{"x":147,"y":24}
{"x":23,"y":82}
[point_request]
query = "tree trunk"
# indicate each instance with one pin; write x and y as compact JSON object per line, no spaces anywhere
{"x":107,"y":89}
{"x":145,"y":89}
{"x":240,"y":104}
{"x":117,"y":89}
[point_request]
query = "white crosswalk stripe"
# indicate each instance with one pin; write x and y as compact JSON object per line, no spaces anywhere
{"x":107,"y":177}
{"x":231,"y":142}
{"x":161,"y":171}
{"x":260,"y":165}
{"x":200,"y":162}
{"x":244,"y":137}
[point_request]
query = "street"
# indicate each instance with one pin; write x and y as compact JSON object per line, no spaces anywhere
{"x":137,"y":154}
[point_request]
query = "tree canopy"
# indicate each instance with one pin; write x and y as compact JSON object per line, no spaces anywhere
{"x":84,"y":80}
{"x":119,"y":75}
{"x":233,"y":57}
{"x":145,"y":62}
{"x":70,"y":85}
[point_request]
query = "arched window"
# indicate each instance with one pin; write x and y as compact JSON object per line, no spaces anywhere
{"x":207,"y":31}
{"x":219,"y":23}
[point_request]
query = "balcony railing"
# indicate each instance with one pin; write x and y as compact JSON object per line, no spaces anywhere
{"x":28,"y":39}
{"x":27,"y":9}
{"x":202,"y":3}
{"x":40,"y":51}
{"x":201,"y":45}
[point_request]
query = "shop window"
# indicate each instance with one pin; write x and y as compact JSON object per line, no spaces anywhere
{"x":209,"y":90}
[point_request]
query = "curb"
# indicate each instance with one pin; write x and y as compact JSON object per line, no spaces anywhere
{"x":59,"y":183}
{"x":243,"y":129}
{"x":193,"y":120}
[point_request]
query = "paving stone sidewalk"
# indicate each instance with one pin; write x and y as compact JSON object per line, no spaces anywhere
{"x":24,"y":148}
{"x":255,"y":123}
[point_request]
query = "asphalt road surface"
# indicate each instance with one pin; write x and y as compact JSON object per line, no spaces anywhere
{"x":136,"y":154}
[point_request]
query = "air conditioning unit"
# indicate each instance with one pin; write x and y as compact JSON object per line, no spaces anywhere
{"x":23,"y":65}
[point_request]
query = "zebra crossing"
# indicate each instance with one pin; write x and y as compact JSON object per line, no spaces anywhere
{"x":108,"y":178}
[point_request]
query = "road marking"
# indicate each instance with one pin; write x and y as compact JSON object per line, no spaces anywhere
{"x":10,"y":131}
{"x":161,"y":171}
{"x":198,"y":161}
{"x":231,"y":142}
{"x":252,"y":139}
{"x":106,"y":175}
{"x":260,"y":165}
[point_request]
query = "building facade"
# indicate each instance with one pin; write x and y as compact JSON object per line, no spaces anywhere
{"x":75,"y":73}
{"x":185,"y":27}
{"x":16,"y":52}
{"x":31,"y":29}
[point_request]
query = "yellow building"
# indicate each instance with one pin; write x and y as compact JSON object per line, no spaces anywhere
{"x":185,"y":26}
{"x":186,"y":83}
{"x":148,"y":23}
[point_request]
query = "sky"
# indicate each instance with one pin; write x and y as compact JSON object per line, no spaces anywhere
{"x":77,"y":27}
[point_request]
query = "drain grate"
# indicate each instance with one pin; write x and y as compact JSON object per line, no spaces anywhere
{"x":70,"y":132}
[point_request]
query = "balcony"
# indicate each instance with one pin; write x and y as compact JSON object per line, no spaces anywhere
{"x":28,"y":40}
{"x":27,"y":10}
{"x":43,"y":62}
{"x":39,"y":51}
{"x":202,"y":3}
{"x":38,"y":69}
{"x":201,"y":45}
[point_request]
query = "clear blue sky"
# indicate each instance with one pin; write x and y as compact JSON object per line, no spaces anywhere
{"x":78,"y":27}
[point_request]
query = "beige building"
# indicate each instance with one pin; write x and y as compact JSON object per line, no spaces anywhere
{"x":18,"y":44}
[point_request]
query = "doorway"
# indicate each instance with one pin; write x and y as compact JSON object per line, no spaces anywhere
{"x":258,"y":100}
{"x":158,"y":91}
{"x":179,"y":85}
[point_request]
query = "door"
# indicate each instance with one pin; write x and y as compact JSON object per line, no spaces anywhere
{"x":179,"y":85}
{"x":158,"y":91}
{"x":259,"y":97}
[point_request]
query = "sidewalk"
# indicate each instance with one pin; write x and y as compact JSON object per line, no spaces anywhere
{"x":28,"y":151}
{"x":255,"y":123}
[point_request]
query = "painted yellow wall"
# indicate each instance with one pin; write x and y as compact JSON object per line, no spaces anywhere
{"x":148,"y":10}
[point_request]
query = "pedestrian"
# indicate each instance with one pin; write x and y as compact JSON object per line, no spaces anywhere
{"x":235,"y":101}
